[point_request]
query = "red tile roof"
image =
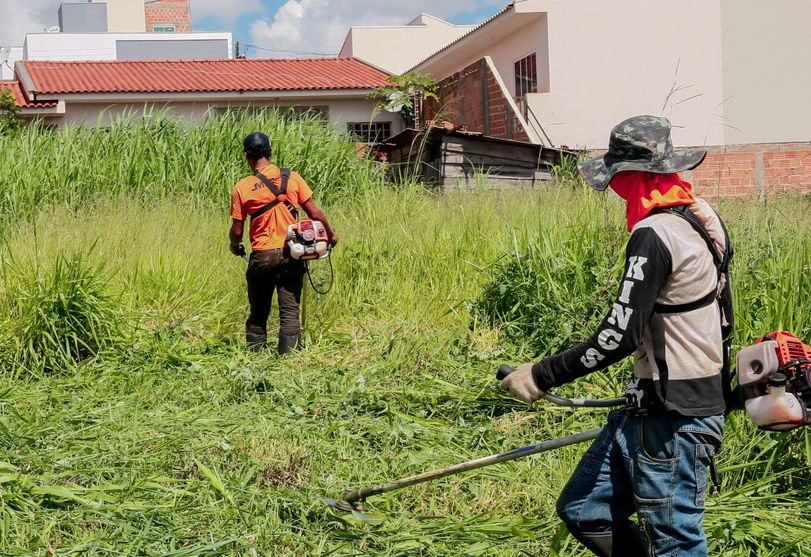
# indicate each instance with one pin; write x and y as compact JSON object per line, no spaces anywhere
{"x":22,"y":102}
{"x":175,"y":76}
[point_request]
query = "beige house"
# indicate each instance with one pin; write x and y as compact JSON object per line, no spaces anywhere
{"x":396,"y":48}
{"x":92,"y":93}
{"x":733,"y":75}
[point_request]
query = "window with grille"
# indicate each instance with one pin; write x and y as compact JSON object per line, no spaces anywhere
{"x":526,"y":76}
{"x":369,"y":132}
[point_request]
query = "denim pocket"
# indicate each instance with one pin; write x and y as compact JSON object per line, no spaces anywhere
{"x":657,"y":440}
{"x":704,"y":453}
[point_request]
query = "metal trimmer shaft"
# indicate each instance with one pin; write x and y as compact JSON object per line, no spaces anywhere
{"x":354,"y":495}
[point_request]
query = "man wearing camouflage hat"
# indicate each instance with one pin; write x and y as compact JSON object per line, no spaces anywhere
{"x":673,"y":311}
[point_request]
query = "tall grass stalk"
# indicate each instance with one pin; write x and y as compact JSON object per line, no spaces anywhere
{"x":179,"y":443}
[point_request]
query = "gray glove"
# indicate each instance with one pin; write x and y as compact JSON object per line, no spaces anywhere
{"x":521,"y":384}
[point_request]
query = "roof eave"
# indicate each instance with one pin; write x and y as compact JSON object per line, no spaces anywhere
{"x":190,"y":96}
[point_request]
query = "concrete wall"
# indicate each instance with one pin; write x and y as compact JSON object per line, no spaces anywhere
{"x":83,"y":18}
{"x":103,"y":46}
{"x":396,"y":49}
{"x":600,"y":64}
{"x":341,"y":111}
{"x":124,"y":16}
{"x":199,"y":49}
{"x":766,"y":70}
{"x":607,"y":64}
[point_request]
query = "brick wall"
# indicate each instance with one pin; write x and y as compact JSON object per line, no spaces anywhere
{"x":474,"y":98}
{"x":168,"y":12}
{"x":757,"y":170}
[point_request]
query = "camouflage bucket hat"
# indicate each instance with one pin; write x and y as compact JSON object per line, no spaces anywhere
{"x":639,"y":143}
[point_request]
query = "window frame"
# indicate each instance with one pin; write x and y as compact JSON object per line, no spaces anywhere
{"x":366,"y":133}
{"x":526,"y":76}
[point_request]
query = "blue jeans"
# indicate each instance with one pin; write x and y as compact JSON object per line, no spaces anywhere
{"x":656,"y":466}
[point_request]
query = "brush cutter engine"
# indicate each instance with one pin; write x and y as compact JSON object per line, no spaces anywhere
{"x":774,"y":376}
{"x":308,"y":240}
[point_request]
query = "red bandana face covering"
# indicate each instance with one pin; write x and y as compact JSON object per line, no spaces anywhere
{"x":645,"y":191}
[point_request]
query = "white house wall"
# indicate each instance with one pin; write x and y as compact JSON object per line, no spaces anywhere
{"x":767,"y":70}
{"x":649,"y":57}
{"x":341,"y":111}
{"x":395,"y":49}
{"x":102,"y":46}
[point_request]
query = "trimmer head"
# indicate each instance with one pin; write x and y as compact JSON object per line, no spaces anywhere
{"x":357,"y":513}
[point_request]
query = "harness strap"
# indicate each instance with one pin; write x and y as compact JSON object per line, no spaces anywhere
{"x":705,"y":301}
{"x":685,"y":213}
{"x":268,"y":183}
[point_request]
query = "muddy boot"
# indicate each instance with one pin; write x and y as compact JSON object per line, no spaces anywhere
{"x":288,"y":343}
{"x":256,"y":340}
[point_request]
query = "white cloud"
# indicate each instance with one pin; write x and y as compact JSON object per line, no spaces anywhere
{"x":320,"y":26}
{"x":18,"y":17}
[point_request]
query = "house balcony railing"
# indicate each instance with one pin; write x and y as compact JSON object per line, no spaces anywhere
{"x":532,"y":120}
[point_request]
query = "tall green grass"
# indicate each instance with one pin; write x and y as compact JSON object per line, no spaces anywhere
{"x":163,"y":436}
{"x":159,"y":156}
{"x":174,"y":441}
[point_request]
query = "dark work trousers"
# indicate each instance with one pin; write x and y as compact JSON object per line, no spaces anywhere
{"x":268,"y":271}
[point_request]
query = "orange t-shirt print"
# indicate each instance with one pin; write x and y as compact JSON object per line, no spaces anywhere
{"x":250,"y":194}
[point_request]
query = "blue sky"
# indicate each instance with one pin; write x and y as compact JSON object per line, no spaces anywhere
{"x":282,"y":27}
{"x":288,"y":28}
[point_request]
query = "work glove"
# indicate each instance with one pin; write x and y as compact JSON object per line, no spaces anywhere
{"x":521,"y":384}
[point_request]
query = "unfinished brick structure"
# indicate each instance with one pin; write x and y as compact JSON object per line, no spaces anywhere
{"x":476,"y":98}
{"x":168,"y":14}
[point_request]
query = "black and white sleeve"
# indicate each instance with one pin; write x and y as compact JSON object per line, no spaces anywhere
{"x":648,"y":264}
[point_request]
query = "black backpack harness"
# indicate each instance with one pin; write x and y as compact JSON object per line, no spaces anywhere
{"x":722,"y":293}
{"x":268,"y":183}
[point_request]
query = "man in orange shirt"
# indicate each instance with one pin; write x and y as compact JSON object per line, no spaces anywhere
{"x":271,"y":197}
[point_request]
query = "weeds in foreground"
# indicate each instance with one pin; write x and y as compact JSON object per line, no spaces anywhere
{"x":177,"y":442}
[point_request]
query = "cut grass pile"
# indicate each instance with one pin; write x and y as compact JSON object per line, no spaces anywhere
{"x":133,"y":422}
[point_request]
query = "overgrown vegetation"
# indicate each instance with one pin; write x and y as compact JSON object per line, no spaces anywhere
{"x":167,"y":438}
{"x":405,"y":93}
{"x":9,"y":113}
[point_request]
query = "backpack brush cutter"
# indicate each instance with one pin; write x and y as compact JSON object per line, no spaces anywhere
{"x":774,"y":379}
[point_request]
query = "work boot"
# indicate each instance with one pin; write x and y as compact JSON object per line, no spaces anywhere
{"x":607,"y":544}
{"x":256,"y":341}
{"x":288,"y":343}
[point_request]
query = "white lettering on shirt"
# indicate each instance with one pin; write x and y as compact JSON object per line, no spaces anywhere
{"x":625,"y":293}
{"x":620,"y":315}
{"x":591,"y":358}
{"x":609,"y":339}
{"x":635,"y":264}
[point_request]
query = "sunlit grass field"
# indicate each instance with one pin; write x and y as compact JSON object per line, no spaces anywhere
{"x":133,"y":422}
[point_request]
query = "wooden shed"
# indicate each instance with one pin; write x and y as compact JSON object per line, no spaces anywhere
{"x":454,"y":159}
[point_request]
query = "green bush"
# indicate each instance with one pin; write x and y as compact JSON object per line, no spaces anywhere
{"x":549,"y":294}
{"x":60,"y":315}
